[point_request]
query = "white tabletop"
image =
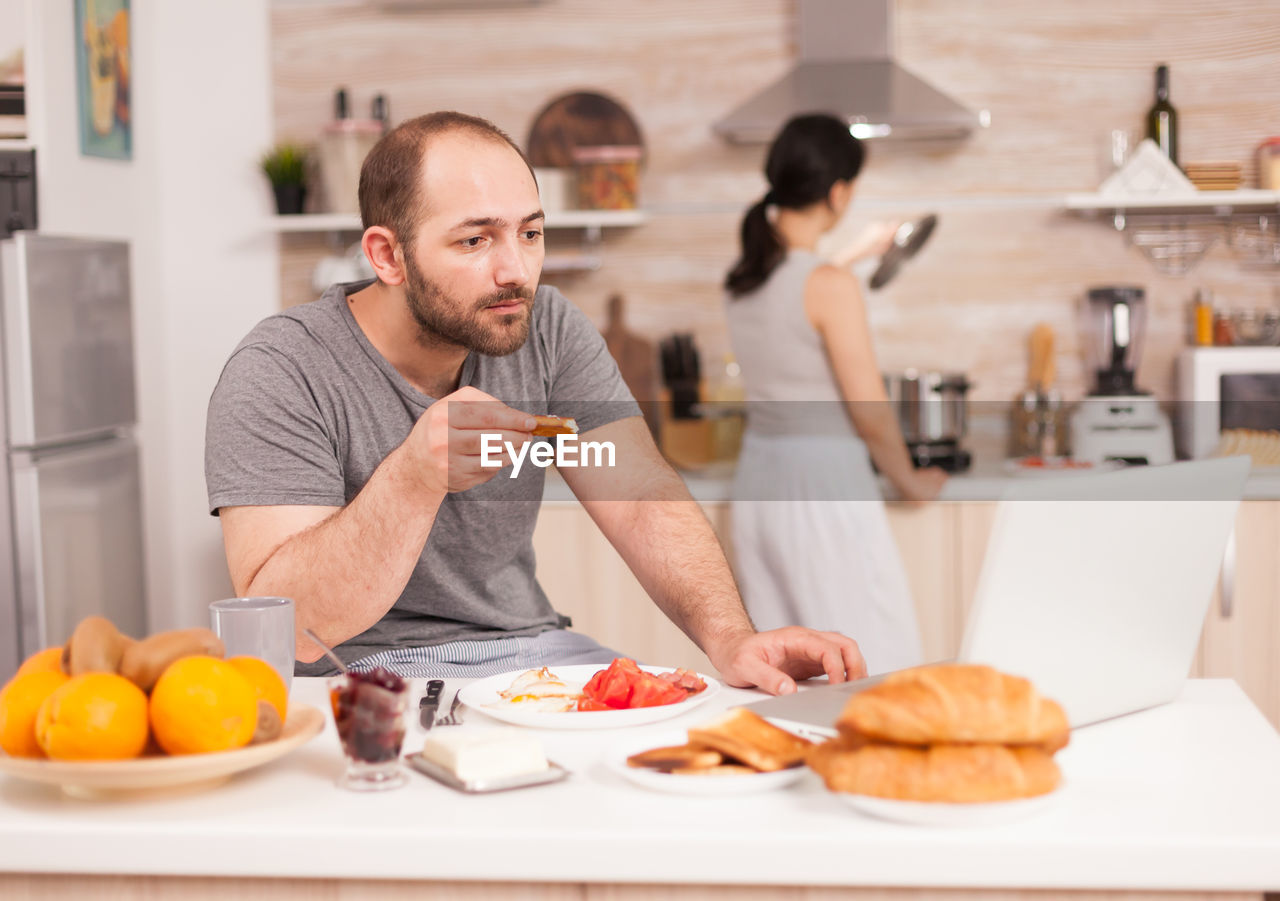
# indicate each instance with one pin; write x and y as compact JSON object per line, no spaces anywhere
{"x":1185,"y":796}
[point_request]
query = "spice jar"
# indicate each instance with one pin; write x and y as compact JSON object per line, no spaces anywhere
{"x":1269,"y":164}
{"x":607,"y":176}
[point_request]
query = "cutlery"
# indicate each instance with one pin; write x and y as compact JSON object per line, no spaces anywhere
{"x":430,"y":703}
{"x":452,"y":719}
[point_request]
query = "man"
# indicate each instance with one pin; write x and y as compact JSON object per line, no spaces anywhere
{"x":348,"y":444}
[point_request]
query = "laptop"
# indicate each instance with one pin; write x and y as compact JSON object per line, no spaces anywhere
{"x":1095,"y":587}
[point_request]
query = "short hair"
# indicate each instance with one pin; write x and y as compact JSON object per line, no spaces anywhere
{"x":391,"y":176}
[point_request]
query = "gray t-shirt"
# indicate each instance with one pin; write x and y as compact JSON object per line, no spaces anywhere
{"x":306,"y":409}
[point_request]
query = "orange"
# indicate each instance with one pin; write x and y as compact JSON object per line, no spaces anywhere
{"x":94,"y":716}
{"x":47,"y":661}
{"x":19,"y":703}
{"x":201,"y":704}
{"x":267,"y":684}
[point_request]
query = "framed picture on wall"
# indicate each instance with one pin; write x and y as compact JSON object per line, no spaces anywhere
{"x":104,"y":71}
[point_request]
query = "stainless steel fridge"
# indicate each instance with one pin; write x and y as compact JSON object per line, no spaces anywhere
{"x":71,"y":540}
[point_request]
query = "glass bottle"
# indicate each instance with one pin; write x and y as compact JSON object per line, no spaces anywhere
{"x":1162,"y":118}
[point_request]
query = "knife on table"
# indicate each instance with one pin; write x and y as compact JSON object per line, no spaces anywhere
{"x":430,"y":703}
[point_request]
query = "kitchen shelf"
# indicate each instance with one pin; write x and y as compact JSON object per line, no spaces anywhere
{"x":1175,"y":231}
{"x":16,"y":144}
{"x":1218,"y":203}
{"x":593,"y":223}
{"x":592,"y":220}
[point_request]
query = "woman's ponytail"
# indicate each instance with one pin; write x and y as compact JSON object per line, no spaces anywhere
{"x":762,"y":252}
{"x":809,"y":155}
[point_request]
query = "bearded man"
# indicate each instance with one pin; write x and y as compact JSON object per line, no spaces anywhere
{"x":344,"y":444}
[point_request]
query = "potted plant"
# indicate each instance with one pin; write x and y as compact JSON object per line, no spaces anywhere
{"x":285,"y":166}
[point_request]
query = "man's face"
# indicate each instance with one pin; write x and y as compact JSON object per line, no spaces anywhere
{"x":473,"y":266}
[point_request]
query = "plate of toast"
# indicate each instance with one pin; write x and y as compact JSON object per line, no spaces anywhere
{"x":737,"y":752}
{"x":946,"y":745}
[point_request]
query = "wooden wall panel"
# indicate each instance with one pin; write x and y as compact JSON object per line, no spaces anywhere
{"x":1055,"y":77}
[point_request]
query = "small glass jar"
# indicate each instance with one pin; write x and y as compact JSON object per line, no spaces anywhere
{"x":369,"y":710}
{"x":608,"y":176}
{"x":1269,"y":164}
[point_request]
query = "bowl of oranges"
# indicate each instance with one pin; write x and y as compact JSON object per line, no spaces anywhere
{"x":110,"y":716}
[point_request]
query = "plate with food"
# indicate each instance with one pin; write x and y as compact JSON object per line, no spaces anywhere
{"x":1034,"y":466}
{"x":951,"y":814}
{"x":737,"y":753}
{"x":590,"y":696}
{"x":163,"y":774}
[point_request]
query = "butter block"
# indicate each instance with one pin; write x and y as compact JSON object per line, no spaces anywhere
{"x":485,"y":755}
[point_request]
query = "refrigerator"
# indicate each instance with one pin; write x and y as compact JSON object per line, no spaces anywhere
{"x":71,"y":541}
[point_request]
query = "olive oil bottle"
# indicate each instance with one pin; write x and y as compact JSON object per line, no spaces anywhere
{"x":1162,"y":118}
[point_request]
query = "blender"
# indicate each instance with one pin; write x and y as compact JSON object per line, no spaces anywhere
{"x":1117,"y":421}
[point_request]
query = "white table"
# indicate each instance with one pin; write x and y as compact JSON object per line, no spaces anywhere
{"x":1185,"y":797}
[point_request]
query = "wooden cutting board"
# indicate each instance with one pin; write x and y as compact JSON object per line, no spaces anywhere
{"x":637,"y":361}
{"x":580,"y":119}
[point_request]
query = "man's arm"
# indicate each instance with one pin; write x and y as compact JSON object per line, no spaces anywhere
{"x":345,"y":567}
{"x":644,"y":509}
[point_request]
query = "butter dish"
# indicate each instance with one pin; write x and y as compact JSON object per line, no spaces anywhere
{"x":486,"y":760}
{"x":553,"y":773}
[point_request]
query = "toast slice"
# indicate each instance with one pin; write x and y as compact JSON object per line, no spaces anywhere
{"x":555,"y":425}
{"x":747,"y":737}
{"x":676,"y":757}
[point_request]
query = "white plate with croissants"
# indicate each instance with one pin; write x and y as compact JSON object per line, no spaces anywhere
{"x":946,"y":745}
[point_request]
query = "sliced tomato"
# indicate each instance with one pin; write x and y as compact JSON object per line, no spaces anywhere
{"x":650,"y":691}
{"x":587,"y":704}
{"x":612,"y":686}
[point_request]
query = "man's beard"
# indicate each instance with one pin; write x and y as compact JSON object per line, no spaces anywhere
{"x":441,"y":318}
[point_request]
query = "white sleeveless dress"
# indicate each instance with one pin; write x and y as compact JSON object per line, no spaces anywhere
{"x":810,"y":540}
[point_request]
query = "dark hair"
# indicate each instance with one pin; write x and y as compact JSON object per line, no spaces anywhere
{"x":808,"y":156}
{"x":391,"y":176}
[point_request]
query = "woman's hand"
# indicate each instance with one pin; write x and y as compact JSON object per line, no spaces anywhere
{"x":923,"y":485}
{"x":872,"y":241}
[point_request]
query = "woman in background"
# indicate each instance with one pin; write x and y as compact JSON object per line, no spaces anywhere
{"x":817,"y":415}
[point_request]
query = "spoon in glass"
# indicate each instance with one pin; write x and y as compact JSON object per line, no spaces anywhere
{"x":328,"y":651}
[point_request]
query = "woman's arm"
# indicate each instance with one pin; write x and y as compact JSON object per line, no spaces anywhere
{"x":834,"y":306}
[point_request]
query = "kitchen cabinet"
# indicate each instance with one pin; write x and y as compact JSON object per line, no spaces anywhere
{"x":588,"y":581}
{"x":942,"y":547}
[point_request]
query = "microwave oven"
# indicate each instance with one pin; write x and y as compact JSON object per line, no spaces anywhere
{"x":1225,"y":388}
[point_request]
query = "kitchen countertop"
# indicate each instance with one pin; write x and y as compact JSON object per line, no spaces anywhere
{"x":1184,"y":796}
{"x":985,"y":481}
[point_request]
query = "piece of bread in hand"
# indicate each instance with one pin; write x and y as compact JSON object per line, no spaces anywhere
{"x":742,"y":735}
{"x":952,"y":773}
{"x":683,"y":757}
{"x":554,"y":425}
{"x":955,"y":703}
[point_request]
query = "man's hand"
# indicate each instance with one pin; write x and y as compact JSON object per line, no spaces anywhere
{"x":775,"y":660}
{"x":446,"y":441}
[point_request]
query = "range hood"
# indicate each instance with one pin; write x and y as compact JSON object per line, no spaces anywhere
{"x":846,"y":69}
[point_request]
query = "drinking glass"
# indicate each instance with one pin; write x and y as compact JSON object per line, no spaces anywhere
{"x":369,"y":711}
{"x":257,"y":627}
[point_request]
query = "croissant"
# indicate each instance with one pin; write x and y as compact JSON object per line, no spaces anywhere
{"x":955,"y":703}
{"x":952,"y":773}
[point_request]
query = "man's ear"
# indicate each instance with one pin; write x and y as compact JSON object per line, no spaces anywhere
{"x":384,"y":253}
